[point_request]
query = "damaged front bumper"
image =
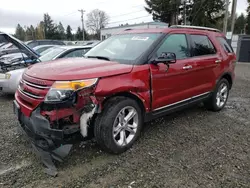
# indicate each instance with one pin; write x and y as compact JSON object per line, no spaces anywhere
{"x":49,"y":144}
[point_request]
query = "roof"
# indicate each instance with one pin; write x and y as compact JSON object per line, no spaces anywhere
{"x":195,"y":27}
{"x":42,"y":40}
{"x":73,"y":47}
{"x":132,"y":25}
{"x":200,"y":30}
{"x":47,"y":45}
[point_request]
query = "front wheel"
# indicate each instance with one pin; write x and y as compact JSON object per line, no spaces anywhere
{"x":119,"y":125}
{"x":219,"y":97}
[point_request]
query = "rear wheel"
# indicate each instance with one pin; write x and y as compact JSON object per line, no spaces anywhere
{"x":119,"y":125}
{"x":219,"y":97}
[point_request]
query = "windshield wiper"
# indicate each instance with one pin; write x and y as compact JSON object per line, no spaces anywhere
{"x":99,"y":57}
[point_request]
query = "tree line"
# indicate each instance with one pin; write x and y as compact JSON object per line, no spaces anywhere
{"x":48,"y":29}
{"x":208,"y":13}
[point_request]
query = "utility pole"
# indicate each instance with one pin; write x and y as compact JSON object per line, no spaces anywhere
{"x":82,"y":12}
{"x":226,"y":18}
{"x":184,"y":12}
{"x":233,"y":15}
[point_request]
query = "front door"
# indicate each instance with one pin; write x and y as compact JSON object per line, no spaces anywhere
{"x":173,"y":84}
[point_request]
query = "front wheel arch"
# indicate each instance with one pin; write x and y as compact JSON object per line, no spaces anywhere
{"x":128,"y":95}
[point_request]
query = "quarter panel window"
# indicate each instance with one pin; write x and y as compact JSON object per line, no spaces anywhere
{"x":175,"y":43}
{"x":76,"y":53}
{"x":226,"y":46}
{"x":202,"y":45}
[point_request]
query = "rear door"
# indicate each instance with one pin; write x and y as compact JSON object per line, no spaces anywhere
{"x":206,"y":59}
{"x":176,"y":83}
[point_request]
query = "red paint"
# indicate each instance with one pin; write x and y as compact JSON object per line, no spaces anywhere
{"x":137,"y":83}
{"x":77,"y":69}
{"x":165,"y":86}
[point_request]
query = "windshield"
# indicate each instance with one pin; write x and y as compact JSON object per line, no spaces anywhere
{"x":51,"y":53}
{"x":125,"y":48}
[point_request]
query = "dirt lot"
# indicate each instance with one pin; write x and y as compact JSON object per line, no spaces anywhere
{"x":192,"y":148}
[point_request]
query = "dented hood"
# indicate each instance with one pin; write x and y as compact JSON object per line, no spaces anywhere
{"x":77,"y":69}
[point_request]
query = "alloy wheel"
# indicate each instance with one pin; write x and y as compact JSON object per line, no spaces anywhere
{"x":125,"y":126}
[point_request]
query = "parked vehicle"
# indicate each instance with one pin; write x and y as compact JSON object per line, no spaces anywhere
{"x":126,"y":80}
{"x":64,"y":52}
{"x":10,"y":79}
{"x":8,"y":51}
{"x":42,"y":48}
{"x":6,"y":46}
{"x":23,"y":58}
{"x":35,"y":43}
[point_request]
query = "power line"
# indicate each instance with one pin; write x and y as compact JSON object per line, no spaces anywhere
{"x":69,"y":14}
{"x":128,"y":19}
{"x":120,"y":15}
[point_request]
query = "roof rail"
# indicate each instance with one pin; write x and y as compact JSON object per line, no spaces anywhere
{"x":128,"y":29}
{"x":195,"y":27}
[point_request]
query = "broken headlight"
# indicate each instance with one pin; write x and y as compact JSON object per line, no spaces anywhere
{"x":64,"y":90}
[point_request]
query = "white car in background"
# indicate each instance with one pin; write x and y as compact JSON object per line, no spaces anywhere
{"x":42,"y":48}
{"x":9,"y":80}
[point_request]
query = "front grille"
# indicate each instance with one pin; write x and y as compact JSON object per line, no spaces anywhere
{"x":34,"y":88}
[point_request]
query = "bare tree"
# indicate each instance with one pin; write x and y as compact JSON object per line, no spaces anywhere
{"x":96,"y":20}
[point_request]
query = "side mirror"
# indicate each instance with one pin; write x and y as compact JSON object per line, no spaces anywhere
{"x":166,"y":58}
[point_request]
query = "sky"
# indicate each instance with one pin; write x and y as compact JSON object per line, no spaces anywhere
{"x":30,"y":12}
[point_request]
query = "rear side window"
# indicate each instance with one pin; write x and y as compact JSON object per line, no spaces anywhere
{"x":58,"y":43}
{"x":226,"y":46}
{"x":76,"y":53}
{"x":202,"y":45}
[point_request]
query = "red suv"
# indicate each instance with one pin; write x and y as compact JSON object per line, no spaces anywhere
{"x":128,"y":79}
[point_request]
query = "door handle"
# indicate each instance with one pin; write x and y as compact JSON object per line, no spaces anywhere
{"x":218,"y":61}
{"x":187,"y":67}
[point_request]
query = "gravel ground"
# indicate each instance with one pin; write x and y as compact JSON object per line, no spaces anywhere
{"x":192,"y":148}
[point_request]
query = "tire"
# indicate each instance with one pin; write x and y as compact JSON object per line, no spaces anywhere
{"x":108,"y":124}
{"x":212,"y":103}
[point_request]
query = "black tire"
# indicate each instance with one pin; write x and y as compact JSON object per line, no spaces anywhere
{"x":211,"y":103}
{"x":103,"y":128}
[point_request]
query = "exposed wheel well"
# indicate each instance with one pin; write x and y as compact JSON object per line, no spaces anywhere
{"x":129,"y":95}
{"x":229,"y":79}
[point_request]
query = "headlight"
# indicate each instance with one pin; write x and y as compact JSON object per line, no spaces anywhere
{"x":63,"y":90}
{"x":7,"y":76}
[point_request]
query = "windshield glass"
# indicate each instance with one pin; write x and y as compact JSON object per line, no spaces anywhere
{"x":51,"y":53}
{"x":125,"y":48}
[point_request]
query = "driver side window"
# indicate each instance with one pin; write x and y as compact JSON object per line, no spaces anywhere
{"x":175,"y":43}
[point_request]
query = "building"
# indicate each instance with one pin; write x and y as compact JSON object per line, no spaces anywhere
{"x":107,"y":32}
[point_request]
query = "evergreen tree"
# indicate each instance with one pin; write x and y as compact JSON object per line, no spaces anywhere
{"x":79,"y":34}
{"x":69,"y":35}
{"x":40,"y":31}
{"x":240,"y":24}
{"x":198,"y":12}
{"x":248,"y":24}
{"x":49,"y":27}
{"x":163,"y":10}
{"x":61,"y":31}
{"x":20,"y":33}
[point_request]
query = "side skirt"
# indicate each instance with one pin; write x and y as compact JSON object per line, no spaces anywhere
{"x":175,"y":107}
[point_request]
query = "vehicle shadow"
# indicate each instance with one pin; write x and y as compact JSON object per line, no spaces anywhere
{"x":5,"y":96}
{"x":86,"y":151}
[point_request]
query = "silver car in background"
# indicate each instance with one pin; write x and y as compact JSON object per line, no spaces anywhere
{"x":9,"y":81}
